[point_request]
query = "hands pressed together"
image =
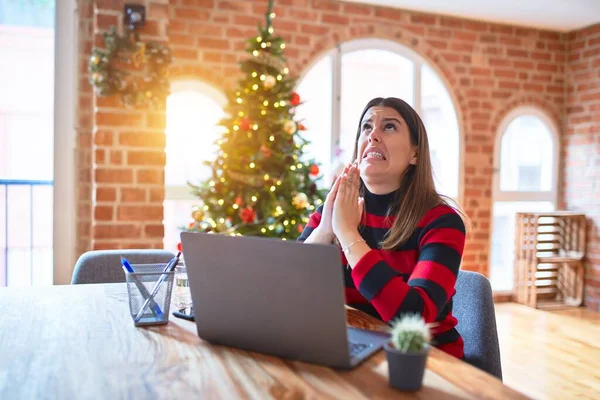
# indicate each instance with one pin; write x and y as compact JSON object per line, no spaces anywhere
{"x":343,"y":207}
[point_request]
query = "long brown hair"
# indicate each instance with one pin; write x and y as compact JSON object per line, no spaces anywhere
{"x":417,"y":194}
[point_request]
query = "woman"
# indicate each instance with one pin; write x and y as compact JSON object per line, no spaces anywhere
{"x":401,"y":242}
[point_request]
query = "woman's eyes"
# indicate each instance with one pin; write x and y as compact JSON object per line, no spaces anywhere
{"x":388,"y":126}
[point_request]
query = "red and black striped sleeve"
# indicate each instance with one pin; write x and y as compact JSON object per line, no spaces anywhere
{"x":430,"y":286}
{"x":313,"y":222}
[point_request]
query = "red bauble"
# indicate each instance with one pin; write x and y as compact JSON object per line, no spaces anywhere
{"x":247,"y":215}
{"x":238,"y":201}
{"x":300,"y":228}
{"x":301,"y":127}
{"x":314,"y":170}
{"x":245,"y":124}
{"x":266,"y":152}
{"x":295,"y":99}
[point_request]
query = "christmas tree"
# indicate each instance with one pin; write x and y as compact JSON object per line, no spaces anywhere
{"x":261,"y":185}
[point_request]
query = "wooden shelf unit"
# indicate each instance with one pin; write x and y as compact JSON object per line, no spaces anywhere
{"x":548,"y":264}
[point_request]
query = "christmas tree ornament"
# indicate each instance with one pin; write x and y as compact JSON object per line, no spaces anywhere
{"x":314,"y":170}
{"x":248,"y":215}
{"x":266,"y":152}
{"x":295,"y":99}
{"x":245,"y":124}
{"x":301,"y":127}
{"x":289,"y":127}
{"x":300,"y":201}
{"x":197,"y":213}
{"x":269,"y":82}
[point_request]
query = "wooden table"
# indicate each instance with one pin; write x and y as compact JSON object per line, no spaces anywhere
{"x":79,"y":342}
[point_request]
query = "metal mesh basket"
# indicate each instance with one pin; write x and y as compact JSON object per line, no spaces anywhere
{"x":140,"y":285}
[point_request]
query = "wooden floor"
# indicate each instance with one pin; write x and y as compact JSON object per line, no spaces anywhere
{"x":550,"y":354}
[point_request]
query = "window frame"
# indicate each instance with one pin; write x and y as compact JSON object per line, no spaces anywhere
{"x":419,"y":61}
{"x":182,"y":192}
{"x":515,"y":195}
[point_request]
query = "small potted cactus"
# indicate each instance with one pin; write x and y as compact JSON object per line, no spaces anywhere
{"x":407,"y":352}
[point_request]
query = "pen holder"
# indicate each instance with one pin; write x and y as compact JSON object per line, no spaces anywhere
{"x":140,"y":284}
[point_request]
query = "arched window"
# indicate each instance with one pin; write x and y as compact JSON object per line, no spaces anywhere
{"x":337,"y":87}
{"x":193,"y":111}
{"x":525,"y":180}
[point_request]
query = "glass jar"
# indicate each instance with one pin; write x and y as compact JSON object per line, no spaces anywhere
{"x":182,"y":296}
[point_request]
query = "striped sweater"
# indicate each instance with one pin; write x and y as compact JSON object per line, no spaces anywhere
{"x":417,"y":277}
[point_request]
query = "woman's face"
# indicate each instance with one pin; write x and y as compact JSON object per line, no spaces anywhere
{"x":384,"y":148}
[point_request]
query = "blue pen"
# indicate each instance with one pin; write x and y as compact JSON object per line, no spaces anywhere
{"x":155,"y":308}
{"x":168,"y":268}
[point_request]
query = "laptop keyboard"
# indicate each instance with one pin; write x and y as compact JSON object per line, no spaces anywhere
{"x":356,"y":348}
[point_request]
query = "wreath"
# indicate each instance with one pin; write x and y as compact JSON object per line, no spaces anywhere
{"x":136,"y":71}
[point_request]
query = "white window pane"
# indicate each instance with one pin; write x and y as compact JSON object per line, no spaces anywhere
{"x":526,"y":157}
{"x":191,"y":130}
{"x":503,"y":237}
{"x":367,"y":74}
{"x":177,"y":214}
{"x":439,"y":117}
{"x":315,"y":114}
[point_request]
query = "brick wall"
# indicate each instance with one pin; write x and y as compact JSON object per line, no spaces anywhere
{"x":489,"y":68}
{"x":127,"y":157}
{"x":581,"y":146}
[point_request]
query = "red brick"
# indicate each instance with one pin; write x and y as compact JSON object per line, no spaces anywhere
{"x":475,"y":71}
{"x":357,"y":9}
{"x":437,"y":44}
{"x":315,"y":29}
{"x":139,"y":213}
{"x":547,"y":67}
{"x":181,"y":40}
{"x":157,"y":230}
{"x":118,"y":119}
{"x":114,"y":231}
{"x":335,"y":19}
{"x":150,"y":176}
{"x":104,"y":21}
{"x":157,"y":140}
{"x":191,"y":14}
{"x":99,"y":156}
{"x":388,"y":13}
{"x":146,"y":158}
{"x":451,"y":22}
{"x":130,"y":195}
{"x":508,"y":85}
{"x":181,"y":53}
{"x":517,"y":53}
{"x":505,"y":73}
{"x":103,"y":213}
{"x":427,"y":19}
{"x":106,"y":194}
{"x":157,"y":195}
{"x":305,"y":15}
{"x":116,"y":175}
{"x":158,"y":11}
{"x":103,"y":138}
{"x":523,"y":65}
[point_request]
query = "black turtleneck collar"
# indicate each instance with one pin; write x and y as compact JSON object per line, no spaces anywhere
{"x":378,"y":204}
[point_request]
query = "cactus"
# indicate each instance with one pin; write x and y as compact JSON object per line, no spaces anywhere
{"x":410,"y":333}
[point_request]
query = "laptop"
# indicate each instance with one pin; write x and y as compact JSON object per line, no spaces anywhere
{"x":281,"y":298}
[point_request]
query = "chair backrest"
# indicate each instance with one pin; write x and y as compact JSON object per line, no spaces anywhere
{"x":104,"y":266}
{"x":473,"y":306}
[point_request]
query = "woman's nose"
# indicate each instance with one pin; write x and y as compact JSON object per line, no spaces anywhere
{"x":374,"y":136}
